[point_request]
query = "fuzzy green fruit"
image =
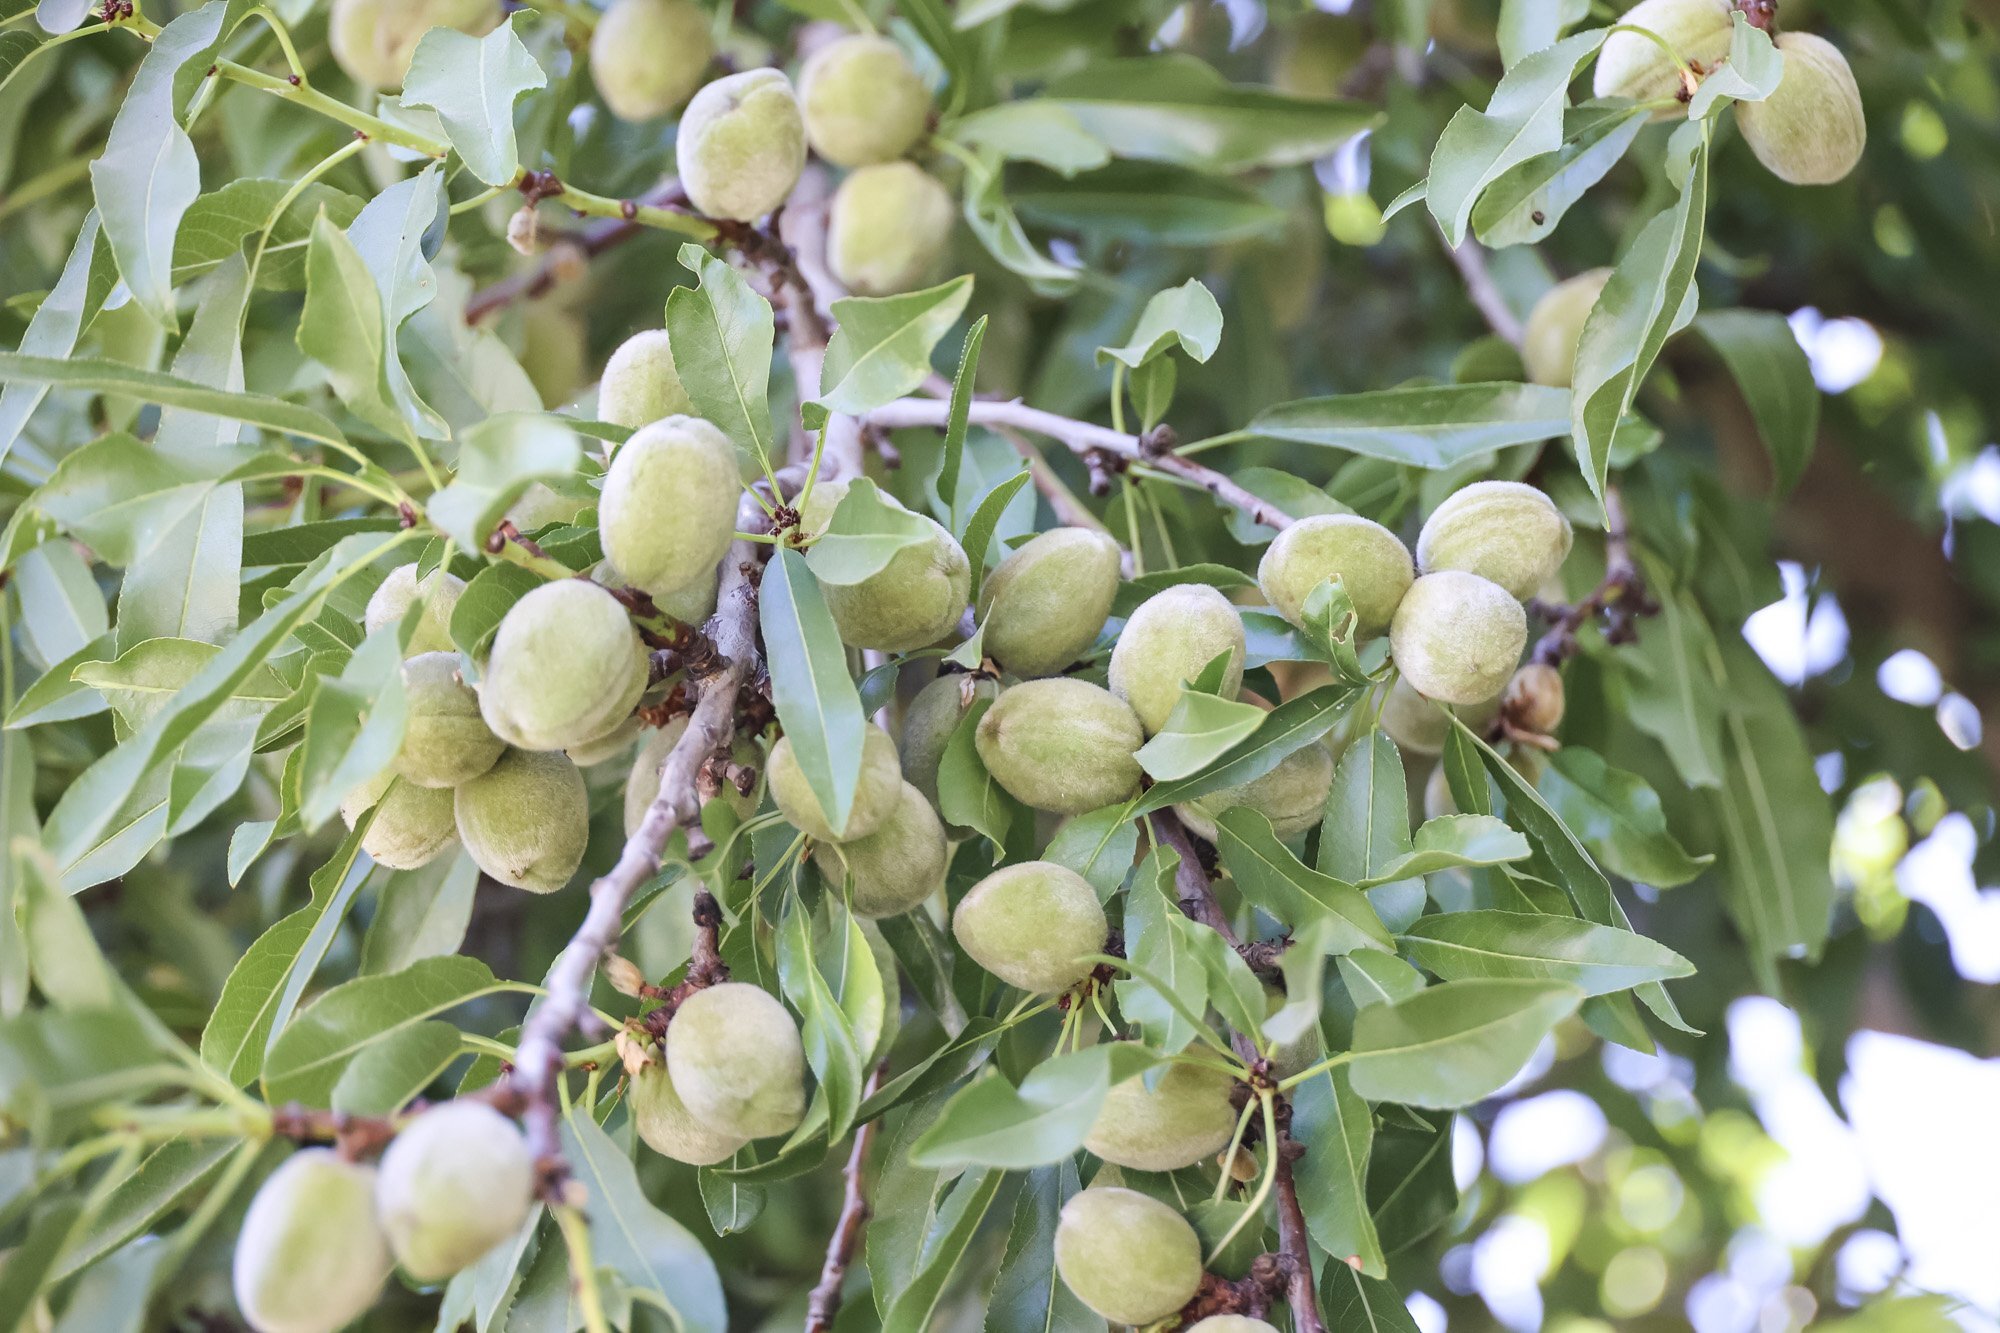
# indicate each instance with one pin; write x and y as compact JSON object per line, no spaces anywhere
{"x":566,"y":668}
{"x":1126,"y":1255}
{"x":1504,"y":531}
{"x":438,"y":591}
{"x":1292,"y":796}
{"x":930,"y":720}
{"x":647,"y":56}
{"x":310,"y":1257}
{"x":640,"y":384}
{"x":741,"y":145}
{"x":1230,"y":1323}
{"x":1167,"y":641}
{"x":875,"y":795}
{"x":1373,"y":565}
{"x":412,"y":824}
{"x":692,"y":605}
{"x":1811,"y":130}
{"x":1630,"y":64}
{"x":736,"y":1060}
{"x":1555,"y":326}
{"x":1061,"y":744}
{"x":373,"y":40}
{"x":526,"y":820}
{"x":863,"y":101}
{"x":669,"y":1128}
{"x":1044,"y":605}
{"x":1457,"y":637}
{"x":914,"y":600}
{"x":445,"y":740}
{"x":552,"y":353}
{"x":1419,"y":726}
{"x":668,"y":511}
{"x":455,"y":1182}
{"x":608,"y":746}
{"x":1186,"y":1118}
{"x":895,"y":868}
{"x":1032,"y":925}
{"x":888,"y":228}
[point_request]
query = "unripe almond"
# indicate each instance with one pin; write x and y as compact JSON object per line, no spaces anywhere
{"x":1167,"y":641}
{"x":1043,"y":606}
{"x":310,"y":1257}
{"x":1504,"y":531}
{"x":1811,"y":130}
{"x":1033,"y":925}
{"x":930,"y":720}
{"x":669,"y":1128}
{"x":1457,"y":637}
{"x":566,"y":668}
{"x":669,"y":506}
{"x":736,"y":1060}
{"x":887,"y":228}
{"x":526,"y":820}
{"x":412,"y":824}
{"x":1420,"y":726}
{"x":1061,"y":744}
{"x":1186,"y":1118}
{"x":863,"y":101}
{"x":1292,"y":796}
{"x":1555,"y":326}
{"x":445,"y":740}
{"x":741,"y":145}
{"x":875,"y":796}
{"x":641,"y":384}
{"x":914,"y":600}
{"x":1126,"y":1255}
{"x":373,"y":40}
{"x":1230,"y":1323}
{"x":895,"y":868}
{"x":455,"y":1182}
{"x":437,"y":590}
{"x":608,"y":746}
{"x":1372,"y":563}
{"x":647,"y":56}
{"x":1630,"y":64}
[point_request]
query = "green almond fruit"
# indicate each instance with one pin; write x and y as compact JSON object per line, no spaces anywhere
{"x":445,"y":740}
{"x":1372,"y":563}
{"x":1167,"y":642}
{"x":863,"y":101}
{"x":668,"y":512}
{"x":373,"y":40}
{"x":736,"y":1060}
{"x":647,"y":56}
{"x":1555,"y":326}
{"x":412,"y":825}
{"x":1033,"y":925}
{"x":1504,"y":531}
{"x":438,"y":591}
{"x":894,"y":869}
{"x":641,"y":384}
{"x":1811,"y":130}
{"x":1061,"y":745}
{"x":455,"y":1182}
{"x":1185,"y":1119}
{"x":1044,"y":605}
{"x":741,"y":145}
{"x":888,"y":228}
{"x":1633,"y":65}
{"x":669,"y":1128}
{"x":1126,"y":1255}
{"x":566,"y":667}
{"x":931,"y":719}
{"x":875,"y":796}
{"x":526,"y":820}
{"x":1230,"y":1323}
{"x":1458,"y":637}
{"x":310,"y":1257}
{"x":1420,"y":726}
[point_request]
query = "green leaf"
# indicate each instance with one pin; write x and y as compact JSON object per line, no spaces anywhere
{"x":1650,"y":294}
{"x":1598,"y":960}
{"x":1338,"y":1132}
{"x":842,"y":1003}
{"x":1358,"y":1300}
{"x":1377,"y":978}
{"x":1028,"y":1296}
{"x":1186,"y":316}
{"x":1749,"y":74}
{"x":385,"y":1076}
{"x":148,"y":174}
{"x":815,"y":698}
{"x":1273,"y":879}
{"x":882,"y":348}
{"x":985,"y":521}
{"x":959,"y":1220}
{"x":655,"y":1257}
{"x":1098,"y":845}
{"x":473,"y":83}
{"x":150,"y":386}
{"x":1200,"y":729}
{"x":951,"y":457}
{"x":1456,"y":1043}
{"x":489,"y":595}
{"x":227,"y":221}
{"x":1133,"y":592}
{"x":991,"y":215}
{"x":1667,"y":685}
{"x":993,"y":1123}
{"x":124,"y":499}
{"x":1618,"y":817}
{"x":721,"y":332}
{"x":1527,"y":26}
{"x":342,"y":328}
{"x":1292,"y":495}
{"x":51,"y":332}
{"x":1303,"y":965}
{"x":137,"y":1202}
{"x":1040,"y":132}
{"x":1776,"y":380}
{"x":1452,"y":842}
{"x":1167,"y":992}
{"x":1523,"y":120}
{"x":1126,"y":201}
{"x":868,"y":530}
{"x":392,"y":233}
{"x":968,"y":797}
{"x":144,"y":680}
{"x":1436,"y":426}
{"x":498,"y":459}
{"x":308,"y":1058}
{"x":420,"y":913}
{"x":1367,"y":826}
{"x":1175,"y":109}
{"x":1525,"y":203}
{"x":354,"y":726}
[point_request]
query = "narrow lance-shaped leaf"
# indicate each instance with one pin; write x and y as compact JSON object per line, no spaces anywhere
{"x":1279,"y":883}
{"x":1455,"y":1043}
{"x":1431,"y":427}
{"x":1776,"y":380}
{"x":882,"y":348}
{"x":51,"y":333}
{"x":1597,"y":959}
{"x":815,"y":698}
{"x":473,"y":83}
{"x":721,"y":332}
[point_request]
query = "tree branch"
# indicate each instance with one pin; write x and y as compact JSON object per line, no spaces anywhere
{"x":1470,"y":259}
{"x":845,"y":1242}
{"x":1293,"y":1248}
{"x":809,"y":291}
{"x":1620,"y":596}
{"x":1083,"y":438}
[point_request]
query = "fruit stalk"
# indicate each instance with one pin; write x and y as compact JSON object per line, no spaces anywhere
{"x":823,"y":1304}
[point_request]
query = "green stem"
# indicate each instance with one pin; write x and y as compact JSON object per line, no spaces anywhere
{"x":53,"y":181}
{"x":1215,"y":442}
{"x":1660,"y":42}
{"x":1229,"y":1157}
{"x":1256,"y":1206}
{"x":582,"y":1268}
{"x":1118,"y":396}
{"x":299,"y":187}
{"x":548,"y":567}
{"x":1331,"y":1062}
{"x":646,"y":215}
{"x":303,"y":93}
